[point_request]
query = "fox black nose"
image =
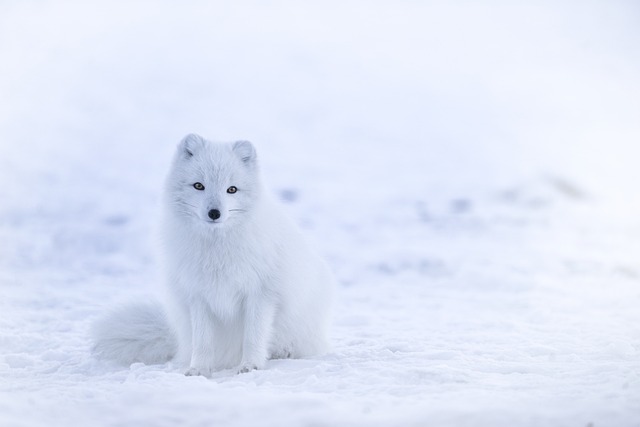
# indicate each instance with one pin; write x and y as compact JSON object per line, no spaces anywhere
{"x":214,"y":214}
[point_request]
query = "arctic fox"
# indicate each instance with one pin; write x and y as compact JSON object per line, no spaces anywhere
{"x":243,"y":286}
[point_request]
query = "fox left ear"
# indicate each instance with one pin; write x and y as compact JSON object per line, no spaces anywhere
{"x":190,"y":144}
{"x":246,"y":152}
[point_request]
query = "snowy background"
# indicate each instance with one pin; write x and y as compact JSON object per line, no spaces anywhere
{"x":469,"y":169}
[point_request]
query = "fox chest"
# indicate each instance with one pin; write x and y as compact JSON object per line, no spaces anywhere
{"x":226,"y":284}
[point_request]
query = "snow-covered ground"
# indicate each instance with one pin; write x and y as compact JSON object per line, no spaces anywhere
{"x":469,"y":169}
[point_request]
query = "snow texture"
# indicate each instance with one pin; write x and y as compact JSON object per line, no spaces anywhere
{"x":468,"y":169}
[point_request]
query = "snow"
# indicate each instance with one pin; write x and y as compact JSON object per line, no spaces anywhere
{"x":468,"y":169}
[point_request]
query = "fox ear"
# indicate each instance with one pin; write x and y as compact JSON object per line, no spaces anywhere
{"x":190,"y":144}
{"x":246,"y":152}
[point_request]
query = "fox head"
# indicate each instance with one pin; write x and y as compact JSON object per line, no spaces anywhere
{"x":213,"y":183}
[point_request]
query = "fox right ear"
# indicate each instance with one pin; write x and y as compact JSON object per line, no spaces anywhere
{"x":246,"y":152}
{"x":190,"y":144}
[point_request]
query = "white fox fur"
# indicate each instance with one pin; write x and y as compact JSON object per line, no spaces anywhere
{"x":243,"y":284}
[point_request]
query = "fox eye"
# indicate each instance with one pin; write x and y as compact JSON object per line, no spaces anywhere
{"x":198,"y":186}
{"x":231,"y":189}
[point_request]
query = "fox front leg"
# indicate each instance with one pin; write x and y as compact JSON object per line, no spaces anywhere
{"x":258,"y":327}
{"x":202,"y":341}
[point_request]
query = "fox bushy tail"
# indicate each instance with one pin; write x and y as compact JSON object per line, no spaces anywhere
{"x":137,"y":332}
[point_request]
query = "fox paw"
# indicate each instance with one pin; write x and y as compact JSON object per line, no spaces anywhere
{"x":194,"y":372}
{"x":282,"y":354}
{"x":244,"y":368}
